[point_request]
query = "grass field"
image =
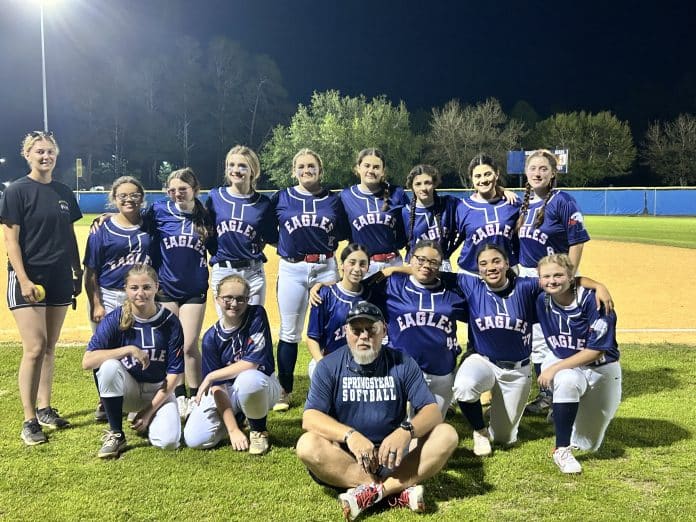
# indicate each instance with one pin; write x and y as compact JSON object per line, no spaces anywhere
{"x":644,"y":471}
{"x":668,"y":231}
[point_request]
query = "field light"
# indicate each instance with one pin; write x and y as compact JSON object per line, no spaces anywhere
{"x":42,"y":4}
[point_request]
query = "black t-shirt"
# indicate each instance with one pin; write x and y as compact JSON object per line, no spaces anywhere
{"x":45,"y":213}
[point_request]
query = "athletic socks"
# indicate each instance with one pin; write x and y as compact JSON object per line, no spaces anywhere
{"x":473,"y":413}
{"x":193,"y":392}
{"x":113,"y":406}
{"x":180,"y":391}
{"x":537,"y":369}
{"x":257,"y":424}
{"x":287,"y":358}
{"x":564,"y":414}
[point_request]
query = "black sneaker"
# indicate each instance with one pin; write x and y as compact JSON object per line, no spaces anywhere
{"x":32,"y":434}
{"x":50,"y":418}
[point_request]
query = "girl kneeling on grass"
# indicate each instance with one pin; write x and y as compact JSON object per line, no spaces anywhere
{"x":582,"y":367}
{"x":238,"y":370}
{"x":137,"y":350}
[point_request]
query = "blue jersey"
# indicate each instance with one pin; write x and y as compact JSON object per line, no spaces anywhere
{"x":437,"y":222}
{"x":178,"y":252}
{"x":422,"y":321}
{"x":308,"y":224}
{"x":327,"y":321}
{"x":251,"y":342}
{"x":563,"y":227}
{"x":501,"y":322}
{"x":243,"y":224}
{"x":160,"y":336}
{"x":380,"y":232}
{"x":483,"y":222}
{"x":113,"y":250}
{"x":370,"y":398}
{"x":569,"y":329}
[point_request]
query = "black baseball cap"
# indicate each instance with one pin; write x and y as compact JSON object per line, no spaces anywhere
{"x":365,"y":310}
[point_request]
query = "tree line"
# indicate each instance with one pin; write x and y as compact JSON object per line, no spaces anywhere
{"x":188,"y":106}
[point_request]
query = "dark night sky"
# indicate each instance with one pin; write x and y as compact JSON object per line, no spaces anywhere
{"x":633,"y":58}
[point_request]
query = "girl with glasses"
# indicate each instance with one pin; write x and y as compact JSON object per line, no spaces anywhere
{"x":37,"y":215}
{"x":238,"y":375}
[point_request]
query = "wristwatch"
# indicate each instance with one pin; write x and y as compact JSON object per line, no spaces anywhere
{"x":408,"y":427}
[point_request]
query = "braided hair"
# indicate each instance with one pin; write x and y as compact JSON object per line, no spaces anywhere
{"x":524,"y":209}
{"x":127,"y":318}
{"x":199,"y":216}
{"x":437,"y":201}
{"x":384,"y":186}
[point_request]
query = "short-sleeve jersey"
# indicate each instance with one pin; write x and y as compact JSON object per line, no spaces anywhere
{"x":483,"y":222}
{"x":308,"y":224}
{"x":569,"y":329}
{"x":422,"y":321}
{"x":563,"y":226}
{"x":160,"y":336}
{"x":425,"y":224}
{"x":501,"y":322}
{"x":381,"y":232}
{"x":45,"y":213}
{"x":251,"y":342}
{"x":180,"y":257}
{"x":244,"y":225}
{"x":113,"y":250}
{"x":370,"y":398}
{"x":327,"y":321}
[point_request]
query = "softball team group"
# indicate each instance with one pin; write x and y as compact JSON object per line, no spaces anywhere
{"x":146,"y":272}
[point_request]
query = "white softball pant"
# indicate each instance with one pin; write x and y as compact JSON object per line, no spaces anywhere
{"x":510,"y":391}
{"x":376,"y":266}
{"x":294,"y":282}
{"x":111,"y":299}
{"x":539,"y":347}
{"x":441,"y":388}
{"x":598,"y":390}
{"x":254,"y":275}
{"x":115,"y":381}
{"x":253,"y":393}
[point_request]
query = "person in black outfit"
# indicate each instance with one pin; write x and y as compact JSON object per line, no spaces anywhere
{"x":44,"y":275}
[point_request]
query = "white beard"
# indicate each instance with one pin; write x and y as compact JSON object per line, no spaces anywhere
{"x":363,"y":357}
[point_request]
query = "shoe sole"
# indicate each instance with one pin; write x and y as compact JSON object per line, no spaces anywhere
{"x":281,"y":407}
{"x":54,"y":426}
{"x":33,"y":442}
{"x":112,"y":455}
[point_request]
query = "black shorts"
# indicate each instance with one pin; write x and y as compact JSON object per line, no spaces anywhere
{"x":56,"y":280}
{"x":161,"y":297}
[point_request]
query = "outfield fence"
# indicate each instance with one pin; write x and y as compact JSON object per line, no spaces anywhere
{"x":633,"y":201}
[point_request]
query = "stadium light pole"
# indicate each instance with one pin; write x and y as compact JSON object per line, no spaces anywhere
{"x":43,"y":67}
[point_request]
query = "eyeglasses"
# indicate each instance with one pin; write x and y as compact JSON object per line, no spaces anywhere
{"x":229,"y":299}
{"x":424,"y":261}
{"x":133,"y":196}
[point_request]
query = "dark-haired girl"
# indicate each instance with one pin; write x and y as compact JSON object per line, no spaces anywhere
{"x":181,"y":226}
{"x":489,"y":215}
{"x":137,"y":350}
{"x":327,"y":321}
{"x":550,"y":222}
{"x":374,"y":208}
{"x":430,"y":215}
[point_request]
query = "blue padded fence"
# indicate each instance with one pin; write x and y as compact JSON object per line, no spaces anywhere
{"x":634,"y":201}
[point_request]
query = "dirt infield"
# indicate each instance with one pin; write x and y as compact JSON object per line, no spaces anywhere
{"x":652,"y":307}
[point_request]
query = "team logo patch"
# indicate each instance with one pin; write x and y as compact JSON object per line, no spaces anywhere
{"x":64,"y":207}
{"x":576,"y":219}
{"x":600,"y":328}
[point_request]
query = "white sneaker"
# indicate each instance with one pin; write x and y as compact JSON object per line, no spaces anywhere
{"x":258,"y":443}
{"x":564,"y":459}
{"x":355,"y":500}
{"x":482,"y":444}
{"x":283,"y":403}
{"x":411,"y":498}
